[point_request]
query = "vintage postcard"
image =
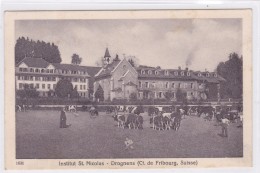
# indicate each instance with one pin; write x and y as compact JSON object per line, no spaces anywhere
{"x":128,"y":89}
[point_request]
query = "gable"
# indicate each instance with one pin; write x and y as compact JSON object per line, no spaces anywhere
{"x":123,"y":66}
{"x":50,"y":67}
{"x":23,"y":65}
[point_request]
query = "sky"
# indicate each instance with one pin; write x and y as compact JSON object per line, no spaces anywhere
{"x":198,"y":44}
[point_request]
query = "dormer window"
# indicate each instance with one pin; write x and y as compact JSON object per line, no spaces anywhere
{"x":176,"y":73}
{"x":42,"y":71}
{"x":199,"y":74}
{"x":31,"y":70}
{"x":207,"y":74}
{"x":215,"y":75}
{"x":188,"y":73}
{"x":166,"y":72}
{"x":150,"y":72}
{"x":182,"y":73}
{"x":156,"y":72}
{"x":142,"y":72}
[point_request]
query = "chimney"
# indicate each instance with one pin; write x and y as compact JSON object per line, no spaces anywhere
{"x":186,"y":68}
{"x":179,"y":67}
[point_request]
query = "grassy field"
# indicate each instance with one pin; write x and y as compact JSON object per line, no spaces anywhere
{"x":38,"y":136}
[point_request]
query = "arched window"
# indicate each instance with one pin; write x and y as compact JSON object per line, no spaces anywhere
{"x":207,"y":74}
{"x":215,"y":75}
{"x":143,"y":72}
{"x":156,"y":72}
{"x":199,"y":74}
{"x":166,"y":72}
{"x":188,"y":73}
{"x":176,"y":73}
{"x":182,"y":73}
{"x":150,"y":72}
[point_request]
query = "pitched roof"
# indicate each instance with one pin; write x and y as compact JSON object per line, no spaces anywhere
{"x":106,"y":71}
{"x":34,"y":62}
{"x":91,"y":70}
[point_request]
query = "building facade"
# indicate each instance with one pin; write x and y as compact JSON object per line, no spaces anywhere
{"x":119,"y":80}
{"x":43,"y":76}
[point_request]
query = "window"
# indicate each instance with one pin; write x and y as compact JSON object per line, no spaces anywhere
{"x":49,"y":86}
{"x":156,"y":72}
{"x":173,"y":95}
{"x":51,"y":71}
{"x":150,"y":72}
{"x":75,"y":79}
{"x":191,"y":85}
{"x":37,"y":86}
{"x":176,"y":73}
{"x":80,"y":87}
{"x":31,"y":70}
{"x":37,"y":70}
{"x":31,"y":78}
{"x":47,"y":70}
{"x":179,"y":85}
{"x":43,"y":86}
{"x":166,"y":72}
{"x":207,"y":74}
{"x":215,"y":75}
{"x":173,"y":85}
{"x":191,"y":93}
{"x":26,"y":77}
{"x":76,"y":87}
{"x":146,"y":84}
{"x":199,"y":74}
{"x":20,"y":69}
{"x":20,"y":86}
{"x":166,"y":84}
{"x":140,"y":84}
{"x":182,"y":73}
{"x":143,"y":72}
{"x":188,"y":73}
{"x":84,"y":87}
{"x":53,"y":78}
{"x":160,"y":95}
{"x":31,"y":86}
{"x":42,"y":71}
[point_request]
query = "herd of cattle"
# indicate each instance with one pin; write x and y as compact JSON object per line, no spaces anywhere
{"x":166,"y":118}
{"x":161,"y":118}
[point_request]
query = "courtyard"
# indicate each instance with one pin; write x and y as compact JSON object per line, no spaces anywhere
{"x":38,"y":136}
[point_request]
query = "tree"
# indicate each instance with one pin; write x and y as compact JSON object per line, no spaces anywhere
{"x":99,"y":94}
{"x":133,"y":96}
{"x":116,"y":58}
{"x":29,"y":48}
{"x":64,"y":88}
{"x":75,"y":59}
{"x":27,"y":92}
{"x":74,"y":93}
{"x":168,"y":95}
{"x":232,"y":72}
{"x":180,"y":96}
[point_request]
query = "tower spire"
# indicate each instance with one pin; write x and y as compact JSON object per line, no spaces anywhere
{"x":107,"y":57}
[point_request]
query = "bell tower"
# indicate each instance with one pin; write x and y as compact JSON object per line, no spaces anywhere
{"x":107,"y":57}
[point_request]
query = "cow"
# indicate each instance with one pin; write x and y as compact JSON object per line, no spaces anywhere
{"x":139,"y":122}
{"x":176,"y":119}
{"x":120,"y":120}
{"x":72,"y":108}
{"x":130,"y":121}
{"x":166,"y":123}
{"x":157,"y":122}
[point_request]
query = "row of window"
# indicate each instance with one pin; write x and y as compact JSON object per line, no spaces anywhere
{"x":48,"y":86}
{"x":46,"y":94}
{"x":40,"y":70}
{"x":160,"y":94}
{"x":165,"y":85}
{"x":176,"y":73}
{"x":37,"y":78}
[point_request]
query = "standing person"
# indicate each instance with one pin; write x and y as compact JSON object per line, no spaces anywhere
{"x":224,"y":123}
{"x":63,"y":119}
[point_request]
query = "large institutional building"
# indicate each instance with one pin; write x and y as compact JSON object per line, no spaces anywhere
{"x":118,"y":79}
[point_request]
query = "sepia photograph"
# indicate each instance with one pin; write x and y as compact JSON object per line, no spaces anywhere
{"x":125,"y":88}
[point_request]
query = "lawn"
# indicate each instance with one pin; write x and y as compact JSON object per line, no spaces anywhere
{"x":38,"y":136}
